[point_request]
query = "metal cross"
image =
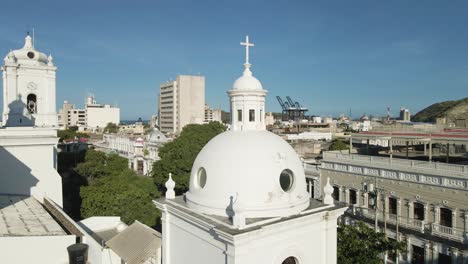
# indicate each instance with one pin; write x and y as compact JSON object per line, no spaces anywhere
{"x":247,"y":45}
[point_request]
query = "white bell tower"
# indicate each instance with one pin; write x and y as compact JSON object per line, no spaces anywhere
{"x":28,"y":138}
{"x":247,"y":98}
{"x":29,"y":88}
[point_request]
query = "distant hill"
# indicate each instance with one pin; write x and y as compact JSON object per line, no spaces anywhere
{"x":452,"y":110}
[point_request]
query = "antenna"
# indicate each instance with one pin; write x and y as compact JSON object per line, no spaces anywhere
{"x":33,"y":38}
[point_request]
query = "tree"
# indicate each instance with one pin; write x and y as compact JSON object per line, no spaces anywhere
{"x":177,"y":157}
{"x":70,"y":133}
{"x":126,"y":195}
{"x":111,"y":128}
{"x":99,"y":164}
{"x":338,"y":144}
{"x":361,"y":244}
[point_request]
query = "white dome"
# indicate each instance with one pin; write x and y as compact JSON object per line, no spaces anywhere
{"x":247,"y":83}
{"x":248,"y":165}
{"x":156,"y":136}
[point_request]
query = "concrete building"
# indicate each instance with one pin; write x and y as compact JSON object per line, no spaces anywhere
{"x":212,"y":114}
{"x":181,"y":102}
{"x":93,"y":117}
{"x":405,"y":114}
{"x":63,"y":120}
{"x":421,"y":202}
{"x":99,"y":115}
{"x":309,"y":135}
{"x":236,"y":210}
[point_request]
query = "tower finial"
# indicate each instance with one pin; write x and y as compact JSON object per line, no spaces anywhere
{"x":247,"y":44}
{"x":170,"y":184}
{"x":327,"y":191}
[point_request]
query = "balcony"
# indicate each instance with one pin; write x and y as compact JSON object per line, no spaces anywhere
{"x":448,"y":232}
{"x":434,"y":229}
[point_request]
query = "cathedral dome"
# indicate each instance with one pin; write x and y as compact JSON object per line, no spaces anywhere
{"x":255,"y":171}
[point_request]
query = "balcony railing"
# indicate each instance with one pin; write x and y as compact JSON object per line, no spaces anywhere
{"x":448,"y":232}
{"x":414,"y":224}
{"x":402,"y":164}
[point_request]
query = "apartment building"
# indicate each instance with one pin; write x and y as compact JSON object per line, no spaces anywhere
{"x":69,"y":115}
{"x":181,"y":102}
{"x":212,"y":114}
{"x":422,"y":202}
{"x":94,"y":116}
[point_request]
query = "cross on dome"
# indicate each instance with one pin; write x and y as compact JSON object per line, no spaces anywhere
{"x":247,"y":44}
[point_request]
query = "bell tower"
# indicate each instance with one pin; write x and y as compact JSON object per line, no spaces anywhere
{"x":28,"y":138}
{"x":29,"y":88}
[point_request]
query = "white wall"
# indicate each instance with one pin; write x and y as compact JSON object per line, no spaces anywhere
{"x":311,"y":238}
{"x":101,"y":116}
{"x":191,"y":100}
{"x":28,"y":163}
{"x":35,"y":249}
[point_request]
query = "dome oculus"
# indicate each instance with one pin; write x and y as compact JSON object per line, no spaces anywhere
{"x":286,"y":180}
{"x":201,"y":177}
{"x":31,"y":55}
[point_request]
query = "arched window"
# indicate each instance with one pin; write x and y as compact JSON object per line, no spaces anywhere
{"x":31,"y":103}
{"x":290,"y":260}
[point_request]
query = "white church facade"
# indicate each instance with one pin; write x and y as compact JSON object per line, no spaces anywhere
{"x":252,"y":205}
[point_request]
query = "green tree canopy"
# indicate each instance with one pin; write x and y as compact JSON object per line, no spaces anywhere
{"x":361,"y":244}
{"x":98,"y":164}
{"x":338,"y":144}
{"x":177,"y":157}
{"x":126,"y":195}
{"x":111,"y":128}
{"x":70,"y":133}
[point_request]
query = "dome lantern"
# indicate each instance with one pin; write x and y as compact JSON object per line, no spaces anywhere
{"x":247,"y":98}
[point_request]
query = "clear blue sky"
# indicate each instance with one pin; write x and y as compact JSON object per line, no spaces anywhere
{"x":329,"y":55}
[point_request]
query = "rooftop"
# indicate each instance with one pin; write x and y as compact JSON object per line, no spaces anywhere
{"x":25,"y":216}
{"x":225,"y":224}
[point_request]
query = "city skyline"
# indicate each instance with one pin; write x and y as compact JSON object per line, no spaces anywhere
{"x":364,"y":56}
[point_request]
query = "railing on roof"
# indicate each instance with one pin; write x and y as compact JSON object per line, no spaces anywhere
{"x":384,"y":161}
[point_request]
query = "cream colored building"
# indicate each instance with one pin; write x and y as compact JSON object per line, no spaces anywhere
{"x":421,"y":202}
{"x":181,"y":102}
{"x":99,"y":115}
{"x":212,"y":114}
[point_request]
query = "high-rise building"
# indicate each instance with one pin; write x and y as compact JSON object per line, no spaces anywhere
{"x":181,"y":102}
{"x":405,"y":114}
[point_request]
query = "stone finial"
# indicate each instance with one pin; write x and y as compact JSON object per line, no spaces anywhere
{"x":327,"y":193}
{"x":238,"y":220}
{"x":28,"y":43}
{"x":10,"y":57}
{"x":50,"y":60}
{"x":170,"y":184}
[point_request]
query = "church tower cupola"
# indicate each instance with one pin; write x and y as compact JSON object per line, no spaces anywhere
{"x":247,"y":98}
{"x":29,"y":88}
